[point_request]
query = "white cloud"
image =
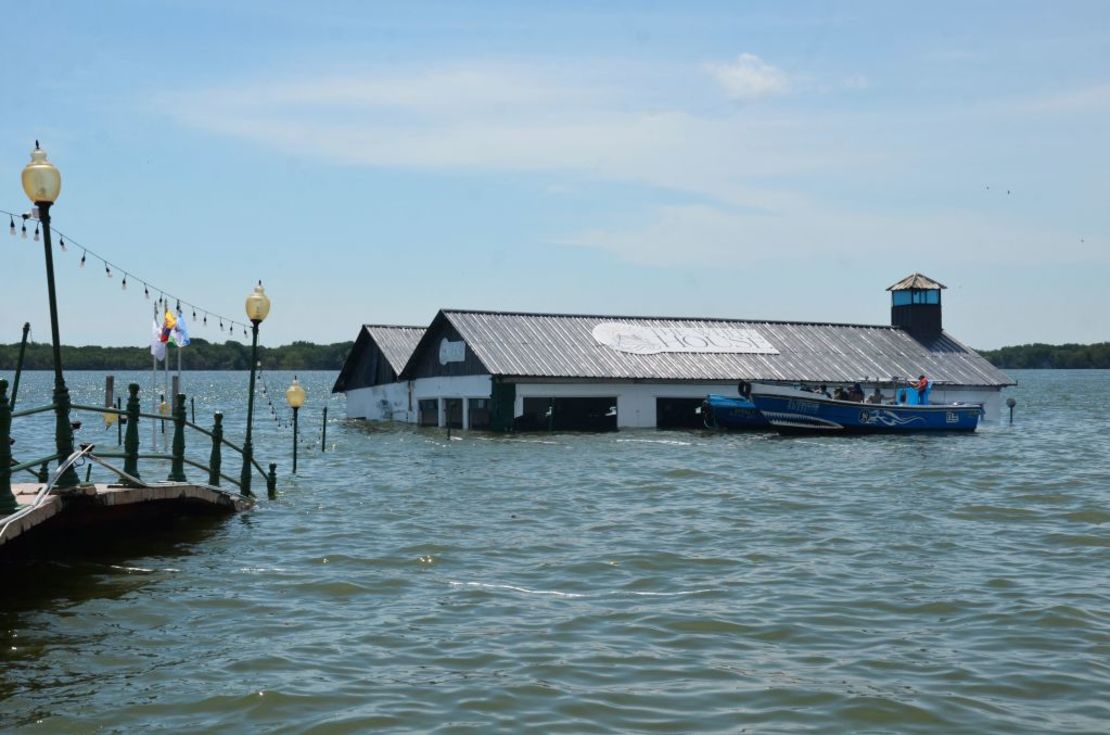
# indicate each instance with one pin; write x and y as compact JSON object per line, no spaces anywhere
{"x":810,"y":233}
{"x":749,"y":78}
{"x":765,"y":181}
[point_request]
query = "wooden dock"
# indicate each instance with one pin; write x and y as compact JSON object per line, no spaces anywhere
{"x":97,"y":503}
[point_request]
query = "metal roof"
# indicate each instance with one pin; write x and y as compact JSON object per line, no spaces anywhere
{"x":918,"y":282}
{"x":396,"y":343}
{"x":563,"y":346}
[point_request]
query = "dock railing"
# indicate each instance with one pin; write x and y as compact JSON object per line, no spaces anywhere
{"x":131,"y":455}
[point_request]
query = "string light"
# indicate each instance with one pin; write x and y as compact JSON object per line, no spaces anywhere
{"x":109,"y":267}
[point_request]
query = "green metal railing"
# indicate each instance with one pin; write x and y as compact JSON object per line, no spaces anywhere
{"x":131,"y":453}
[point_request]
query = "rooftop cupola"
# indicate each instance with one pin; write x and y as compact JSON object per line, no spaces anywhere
{"x":915,"y":306}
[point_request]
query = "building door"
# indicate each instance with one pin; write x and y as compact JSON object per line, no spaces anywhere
{"x":453,"y":413}
{"x":678,"y":413}
{"x":568,"y":414}
{"x":429,"y":412}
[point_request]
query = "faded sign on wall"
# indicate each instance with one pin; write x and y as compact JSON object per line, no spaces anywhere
{"x":639,"y":339}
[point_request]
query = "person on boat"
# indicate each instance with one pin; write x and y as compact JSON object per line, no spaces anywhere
{"x":855,"y":393}
{"x":824,"y":390}
{"x":876,"y":397}
{"x":921,"y":385}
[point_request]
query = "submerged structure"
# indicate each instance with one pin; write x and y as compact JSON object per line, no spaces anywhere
{"x":509,"y":371}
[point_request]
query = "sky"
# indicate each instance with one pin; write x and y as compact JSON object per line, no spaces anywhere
{"x":375,"y":162}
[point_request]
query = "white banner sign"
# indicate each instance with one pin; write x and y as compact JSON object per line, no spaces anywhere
{"x":451,"y":351}
{"x":643,"y":340}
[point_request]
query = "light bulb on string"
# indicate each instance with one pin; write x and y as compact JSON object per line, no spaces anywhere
{"x":205,"y":321}
{"x":62,"y":243}
{"x":107,"y":270}
{"x":124,"y":283}
{"x":146,"y":292}
{"x":84,"y":254}
{"x":11,"y":229}
{"x":36,"y":233}
{"x":23,"y":234}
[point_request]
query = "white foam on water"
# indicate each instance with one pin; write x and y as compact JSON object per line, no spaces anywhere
{"x":524,"y":590}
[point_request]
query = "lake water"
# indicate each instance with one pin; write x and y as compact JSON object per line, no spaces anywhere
{"x":642,"y":581}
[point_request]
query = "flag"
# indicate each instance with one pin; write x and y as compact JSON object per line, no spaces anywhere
{"x":168,"y":323}
{"x":180,"y":336}
{"x":157,"y":346}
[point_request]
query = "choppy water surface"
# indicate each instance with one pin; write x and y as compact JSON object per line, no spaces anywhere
{"x":679,"y":582}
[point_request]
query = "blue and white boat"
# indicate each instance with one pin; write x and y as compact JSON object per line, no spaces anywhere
{"x":731,"y":412}
{"x":793,"y":410}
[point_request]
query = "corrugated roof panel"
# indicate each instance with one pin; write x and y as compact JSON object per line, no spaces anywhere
{"x":396,"y":343}
{"x":563,"y":346}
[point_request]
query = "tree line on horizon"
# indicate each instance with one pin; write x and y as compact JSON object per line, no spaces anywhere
{"x":199,"y":355}
{"x":231,"y":355}
{"x":1044,"y":356}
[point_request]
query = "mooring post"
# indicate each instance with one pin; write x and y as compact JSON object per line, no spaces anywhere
{"x":193,"y":408}
{"x":119,"y":423}
{"x":19,"y":362}
{"x":324,"y":436}
{"x":214,"y":460}
{"x":271,"y":482}
{"x":8,"y":502}
{"x":44,"y":473}
{"x":131,"y":441}
{"x":177,"y":464}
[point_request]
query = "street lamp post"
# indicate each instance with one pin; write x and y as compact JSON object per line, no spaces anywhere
{"x":42,"y":183}
{"x":258,"y":306}
{"x":294,"y":396}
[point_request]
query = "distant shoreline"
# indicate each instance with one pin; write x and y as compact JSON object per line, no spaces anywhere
{"x":199,"y":355}
{"x":231,"y":355}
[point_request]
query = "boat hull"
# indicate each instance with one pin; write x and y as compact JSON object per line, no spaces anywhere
{"x":732,"y":414}
{"x":801,"y":412}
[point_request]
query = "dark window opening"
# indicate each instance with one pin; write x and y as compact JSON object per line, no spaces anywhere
{"x":452,"y":413}
{"x":678,"y":413}
{"x":429,"y":412}
{"x":906,"y":298}
{"x":480,"y":417}
{"x":568,"y":414}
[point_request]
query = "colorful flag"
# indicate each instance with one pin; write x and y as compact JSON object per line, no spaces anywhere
{"x":157,"y":346}
{"x":168,"y":323}
{"x":180,"y":335}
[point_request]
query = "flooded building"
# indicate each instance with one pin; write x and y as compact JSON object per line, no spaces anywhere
{"x":369,"y":377}
{"x":509,"y":371}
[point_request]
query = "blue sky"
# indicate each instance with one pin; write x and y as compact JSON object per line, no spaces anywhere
{"x":375,"y":162}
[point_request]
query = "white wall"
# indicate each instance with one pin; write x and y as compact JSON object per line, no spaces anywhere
{"x":389,"y":402}
{"x":991,"y":398}
{"x":635,"y":401}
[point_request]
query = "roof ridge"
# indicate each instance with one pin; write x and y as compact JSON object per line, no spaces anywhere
{"x":557,"y":315}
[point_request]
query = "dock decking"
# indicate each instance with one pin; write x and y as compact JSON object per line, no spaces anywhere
{"x":103,"y":498}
